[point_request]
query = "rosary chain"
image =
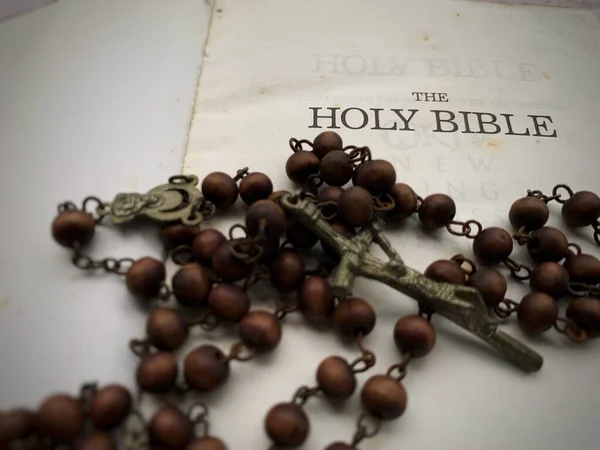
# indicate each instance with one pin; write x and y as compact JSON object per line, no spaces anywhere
{"x":304,"y":393}
{"x":366,"y":426}
{"x":566,"y":326}
{"x":584,"y":290}
{"x":466,"y":228}
{"x":516,"y":268}
{"x":118,"y":266}
{"x":505,"y":308}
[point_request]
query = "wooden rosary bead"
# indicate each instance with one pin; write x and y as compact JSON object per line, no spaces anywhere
{"x":376,"y":176}
{"x":171,"y":429}
{"x":191,"y":285}
{"x":228,"y":302}
{"x":405,"y":201}
{"x":15,"y":424}
{"x":271,"y":214}
{"x":384,"y":397}
{"x":583,"y":268}
{"x":205,"y":244}
{"x":206,"y":368}
{"x":326,"y":142}
{"x":220,"y":189}
{"x":335,"y":378}
{"x":110,"y":406}
{"x":537,"y":312}
{"x":548,"y":244}
{"x":73,"y":226}
{"x":331,"y":194}
{"x":254,"y":187}
{"x":166,"y":329}
{"x":490,"y":283}
{"x":414,"y":334}
{"x":550,"y":278}
{"x":356,"y":207}
{"x":157,"y":373}
{"x":98,"y":440}
{"x":227,"y":266}
{"x":299,"y":236}
{"x":354,"y":316}
{"x":339,"y":446}
{"x":445,"y":271}
{"x":60,"y":417}
{"x":288,"y":271}
{"x":178,"y":234}
{"x":315,"y":298}
{"x":436,"y":211}
{"x":300,"y":165}
{"x":493,"y":245}
{"x":529,"y":212}
{"x":585,"y":312}
{"x":260,"y":330}
{"x":342,"y":229}
{"x":145,"y":277}
{"x":336,"y":168}
{"x":287,"y":425}
{"x":582,"y":209}
{"x":206,"y":443}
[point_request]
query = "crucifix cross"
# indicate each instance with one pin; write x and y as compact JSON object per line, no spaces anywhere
{"x":461,"y":304}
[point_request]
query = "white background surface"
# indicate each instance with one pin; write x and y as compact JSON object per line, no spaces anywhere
{"x":95,"y":98}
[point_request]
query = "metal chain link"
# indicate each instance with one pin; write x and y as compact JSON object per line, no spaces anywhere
{"x":516,"y":268}
{"x":566,"y":326}
{"x":112,"y":265}
{"x":304,"y":393}
{"x":367,"y":426}
{"x":505,"y":308}
{"x":466,"y":228}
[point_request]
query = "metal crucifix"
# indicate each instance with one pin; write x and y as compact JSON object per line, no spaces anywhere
{"x":460,"y":304}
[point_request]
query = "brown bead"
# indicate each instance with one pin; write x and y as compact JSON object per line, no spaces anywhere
{"x":376,"y":176}
{"x":582,"y":209}
{"x":300,"y":165}
{"x":278,"y":195}
{"x":315,"y":298}
{"x":261,"y":330}
{"x":336,"y":168}
{"x":405,"y":200}
{"x":15,"y":424}
{"x":354,"y":316}
{"x":254,"y":187}
{"x":60,"y":417}
{"x":583,"y":268}
{"x":175,"y":235}
{"x":436,"y":211}
{"x":548,"y":244}
{"x":326,"y":142}
{"x":384,"y":397}
{"x":288,"y":271}
{"x":299,"y":236}
{"x":110,"y":406}
{"x":157,"y":373}
{"x":228,"y":302}
{"x":206,"y":443}
{"x":339,"y":446}
{"x":227,"y":266}
{"x":71,"y":227}
{"x":414,"y":334}
{"x":356,"y":207}
{"x":170,"y":428}
{"x":206,"y":368}
{"x":205,"y":244}
{"x":191,"y":285}
{"x":490,"y":283}
{"x":585,"y":312}
{"x":166,"y":329}
{"x":335,"y":378}
{"x":342,"y":229}
{"x":220,"y":189}
{"x":268,"y":214}
{"x":537,"y":313}
{"x":550,"y":278}
{"x":529,"y":212}
{"x":331,"y":194}
{"x":287,"y":425}
{"x":145,"y":277}
{"x":445,"y":271}
{"x":493,"y":245}
{"x":98,"y":440}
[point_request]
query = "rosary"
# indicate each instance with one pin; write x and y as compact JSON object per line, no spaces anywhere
{"x":310,"y":246}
